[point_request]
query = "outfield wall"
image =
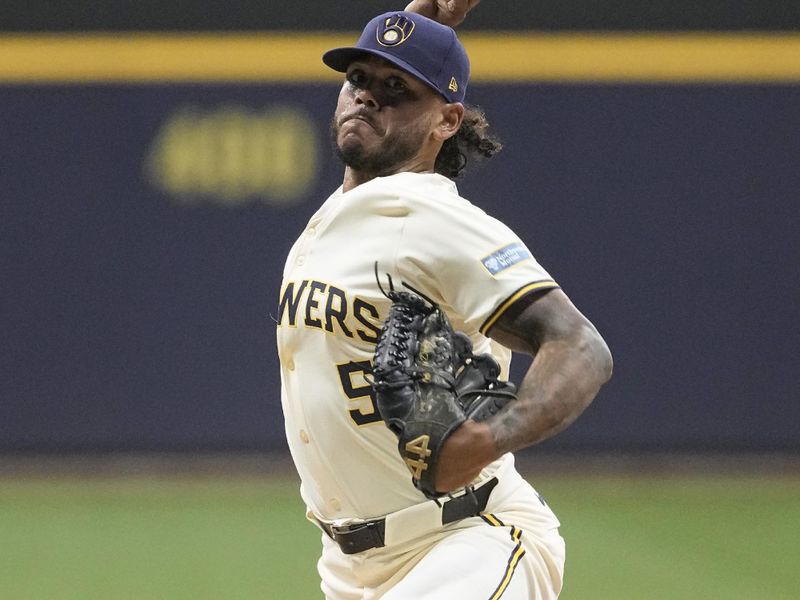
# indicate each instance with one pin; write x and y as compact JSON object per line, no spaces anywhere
{"x":145,"y":220}
{"x":323,"y":15}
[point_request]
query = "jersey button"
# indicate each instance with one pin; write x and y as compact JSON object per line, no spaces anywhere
{"x":335,"y":504}
{"x":311,"y":231}
{"x":290,"y":364}
{"x":301,"y":260}
{"x":304,"y":436}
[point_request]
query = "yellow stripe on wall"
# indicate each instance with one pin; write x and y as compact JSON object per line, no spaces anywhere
{"x":496,"y":57}
{"x":678,"y":57}
{"x":166,"y":57}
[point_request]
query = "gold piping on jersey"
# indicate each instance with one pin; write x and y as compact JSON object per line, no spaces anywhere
{"x":526,"y":289}
{"x":516,"y":554}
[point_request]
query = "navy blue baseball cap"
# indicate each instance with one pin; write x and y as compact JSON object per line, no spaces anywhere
{"x":418,"y":45}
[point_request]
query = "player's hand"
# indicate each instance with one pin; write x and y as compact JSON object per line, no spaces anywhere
{"x":465,"y":453}
{"x":448,"y":12}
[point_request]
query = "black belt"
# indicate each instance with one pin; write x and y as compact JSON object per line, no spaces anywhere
{"x":353,"y":539}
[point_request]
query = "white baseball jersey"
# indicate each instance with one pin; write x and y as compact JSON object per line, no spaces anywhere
{"x":419,"y":230}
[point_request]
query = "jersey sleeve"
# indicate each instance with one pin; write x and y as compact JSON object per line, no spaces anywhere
{"x":468,"y":261}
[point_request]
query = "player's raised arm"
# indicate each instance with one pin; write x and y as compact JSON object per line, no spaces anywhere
{"x":448,"y":12}
{"x":571,"y":363}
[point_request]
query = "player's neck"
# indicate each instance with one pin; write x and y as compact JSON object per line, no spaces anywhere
{"x":353,"y":178}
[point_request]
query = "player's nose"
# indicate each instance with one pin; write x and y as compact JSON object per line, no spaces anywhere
{"x":365,"y":96}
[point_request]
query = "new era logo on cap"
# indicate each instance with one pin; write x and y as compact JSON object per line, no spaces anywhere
{"x":420,"y":46}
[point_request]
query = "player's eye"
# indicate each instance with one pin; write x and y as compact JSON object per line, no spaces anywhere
{"x":357,"y":78}
{"x":396,"y":85}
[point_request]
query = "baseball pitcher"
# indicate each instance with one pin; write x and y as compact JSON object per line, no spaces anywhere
{"x":400,"y":306}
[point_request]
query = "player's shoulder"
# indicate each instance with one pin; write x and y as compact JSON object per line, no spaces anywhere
{"x":426,"y":201}
{"x":432,"y":195}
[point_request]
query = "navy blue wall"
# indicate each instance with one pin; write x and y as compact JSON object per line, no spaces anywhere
{"x":239,"y":15}
{"x":135,"y":298}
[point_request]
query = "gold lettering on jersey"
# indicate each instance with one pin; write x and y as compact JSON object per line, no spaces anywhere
{"x":360,"y":307}
{"x":330,"y":308}
{"x":419,"y":448}
{"x":312,"y":304}
{"x":290,"y":300}
{"x":359,"y":393}
{"x":336,"y":310}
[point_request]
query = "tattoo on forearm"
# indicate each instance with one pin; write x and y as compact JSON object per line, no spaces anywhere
{"x":560,"y":384}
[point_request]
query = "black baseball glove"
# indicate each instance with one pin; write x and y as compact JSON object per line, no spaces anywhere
{"x":427,"y":382}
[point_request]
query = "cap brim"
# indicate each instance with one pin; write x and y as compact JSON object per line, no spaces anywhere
{"x":339,"y":59}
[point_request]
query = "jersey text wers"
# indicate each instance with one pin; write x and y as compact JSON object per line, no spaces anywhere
{"x":323,"y":305}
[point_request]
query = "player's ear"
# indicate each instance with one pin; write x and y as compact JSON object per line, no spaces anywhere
{"x":450,"y":120}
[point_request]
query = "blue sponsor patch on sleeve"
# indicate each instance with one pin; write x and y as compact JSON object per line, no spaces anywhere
{"x":505,"y":257}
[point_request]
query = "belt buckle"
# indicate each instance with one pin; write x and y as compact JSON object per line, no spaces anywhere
{"x":351,"y":527}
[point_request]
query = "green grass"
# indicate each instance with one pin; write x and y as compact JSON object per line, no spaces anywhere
{"x":672,"y":538}
{"x":155,"y":539}
{"x":710,"y":538}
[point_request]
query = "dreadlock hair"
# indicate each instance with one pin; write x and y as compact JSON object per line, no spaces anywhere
{"x":471,"y":141}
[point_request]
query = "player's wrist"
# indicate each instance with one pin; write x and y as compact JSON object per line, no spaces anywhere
{"x":466,"y":452}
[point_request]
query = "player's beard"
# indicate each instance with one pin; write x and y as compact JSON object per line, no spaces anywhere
{"x":393,"y":150}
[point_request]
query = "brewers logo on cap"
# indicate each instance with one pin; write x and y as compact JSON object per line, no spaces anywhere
{"x":395,"y":30}
{"x":420,"y":46}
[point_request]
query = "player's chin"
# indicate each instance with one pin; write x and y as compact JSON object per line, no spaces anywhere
{"x":352,"y":150}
